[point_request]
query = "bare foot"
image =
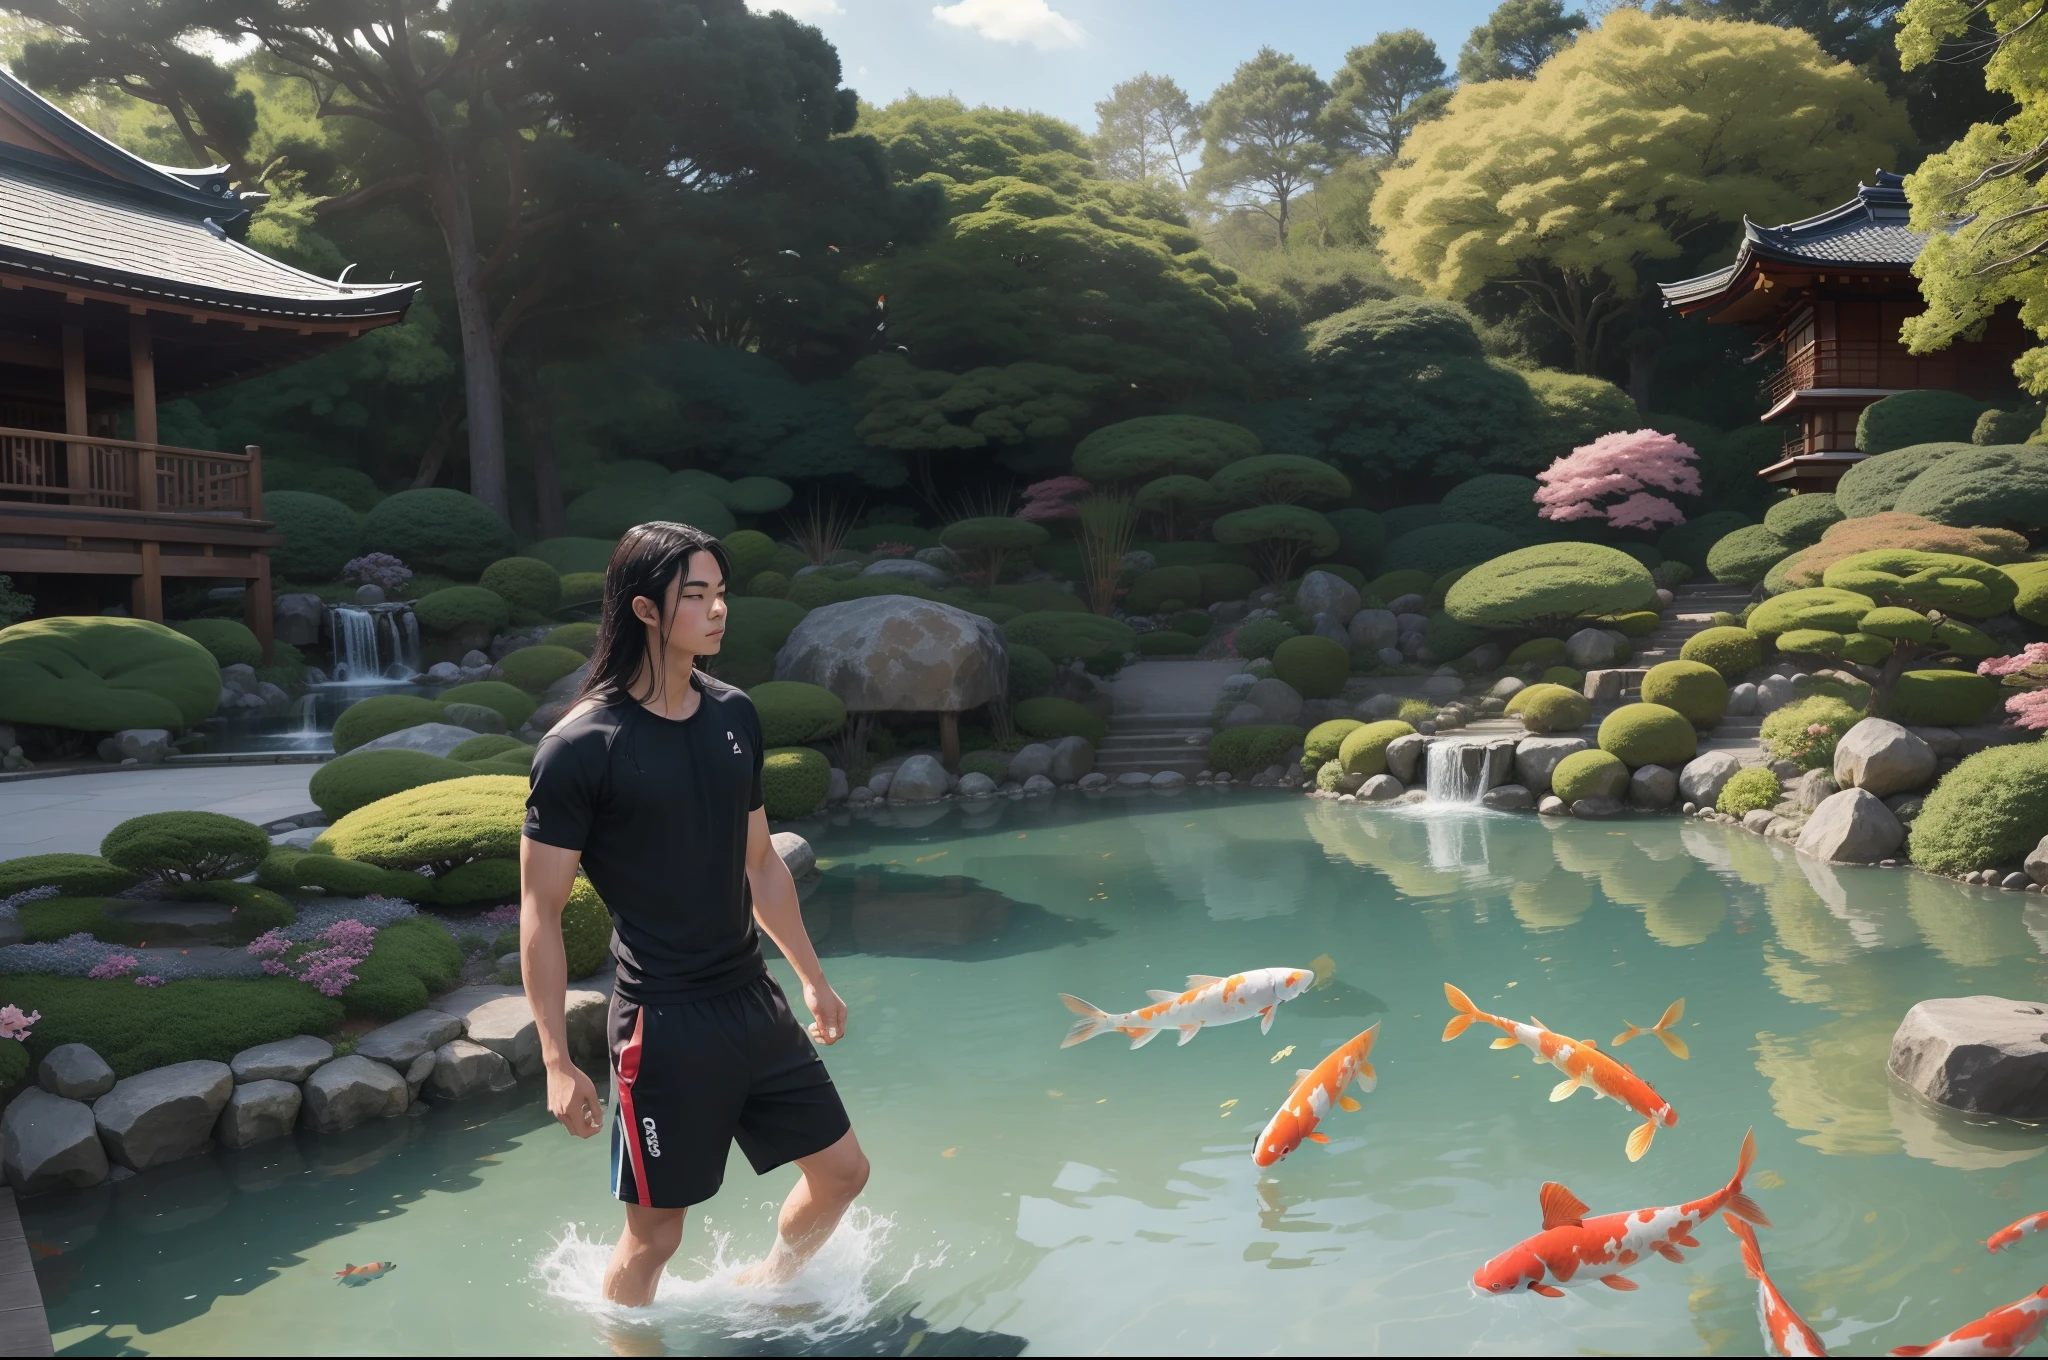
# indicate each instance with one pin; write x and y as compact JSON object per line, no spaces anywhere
{"x":779,"y":1267}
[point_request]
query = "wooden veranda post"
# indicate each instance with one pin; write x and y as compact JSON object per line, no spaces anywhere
{"x":77,"y":475}
{"x":256,"y":607}
{"x":949,"y":741}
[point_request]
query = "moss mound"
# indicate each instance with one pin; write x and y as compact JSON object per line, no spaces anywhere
{"x":1691,"y":541}
{"x":1167,"y":642}
{"x":1549,"y":583}
{"x":1989,"y":812}
{"x":320,"y":535}
{"x":1918,"y":417}
{"x":1589,"y":774}
{"x":1747,"y":791}
{"x":1164,"y":589}
{"x":534,"y":668}
{"x":793,"y":713}
{"x":380,"y":715}
{"x":586,"y":928}
{"x":1874,"y":485}
{"x":409,"y":960}
{"x":577,"y":637}
{"x":138,"y":1028}
{"x":185,"y":847}
{"x":1548,"y":707}
{"x":1730,"y":651}
{"x":1406,"y":581}
{"x":487,"y":747}
{"x":1542,"y":651}
{"x":512,"y":703}
{"x":436,"y":827}
{"x":575,"y":556}
{"x":1065,"y":635}
{"x":457,"y":609}
{"x":1935,"y":698}
{"x":1324,"y":741}
{"x":72,"y":875}
{"x":1745,"y":556}
{"x":1261,"y":638}
{"x":794,"y":780}
{"x":1801,"y":520}
{"x":1050,"y":719}
{"x":1926,"y":580}
{"x":439,"y":530}
{"x":1248,"y":750}
{"x":101,"y":674}
{"x":1694,"y":689}
{"x":1148,"y":447}
{"x":2000,"y":485}
{"x":1316,"y":666}
{"x":1364,"y":749}
{"x":1438,"y":548}
{"x":530,"y":586}
{"x":1823,"y":607}
{"x":229,"y":643}
{"x":1649,"y":734}
{"x":1806,"y":732}
{"x":1226,"y":581}
{"x":1572,"y":679}
{"x":1499,"y":499}
{"x":1031,"y":673}
{"x":359,"y":779}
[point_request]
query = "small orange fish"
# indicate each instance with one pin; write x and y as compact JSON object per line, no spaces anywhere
{"x":359,"y":1275}
{"x":2013,"y":1232}
{"x":2002,"y":1331}
{"x":44,"y":1248}
{"x":1316,"y":1092}
{"x":1785,"y":1332}
{"x":1662,"y":1029}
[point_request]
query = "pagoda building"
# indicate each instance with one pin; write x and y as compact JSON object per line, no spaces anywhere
{"x":1828,"y":296}
{"x":123,"y":284}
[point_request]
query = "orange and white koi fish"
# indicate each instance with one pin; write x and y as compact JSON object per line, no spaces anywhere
{"x":1207,"y":1001}
{"x":1582,"y":1063}
{"x":1785,"y":1332}
{"x":1662,"y":1029}
{"x":1572,"y":1247}
{"x":1313,"y":1095}
{"x":375,"y":1270}
{"x":2013,"y":1232}
{"x":2002,"y":1331}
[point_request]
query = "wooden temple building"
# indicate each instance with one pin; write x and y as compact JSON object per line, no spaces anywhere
{"x":123,"y":284}
{"x":1827,"y":295}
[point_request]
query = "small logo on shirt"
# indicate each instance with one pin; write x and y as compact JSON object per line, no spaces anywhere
{"x":735,"y":742}
{"x":649,"y":1138}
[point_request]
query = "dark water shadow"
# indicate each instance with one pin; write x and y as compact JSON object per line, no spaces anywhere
{"x":904,"y":1335}
{"x":875,"y":909}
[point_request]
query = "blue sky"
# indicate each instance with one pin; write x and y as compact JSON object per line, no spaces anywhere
{"x":1060,"y":56}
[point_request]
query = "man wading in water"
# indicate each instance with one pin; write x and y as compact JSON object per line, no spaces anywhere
{"x":653,"y":782}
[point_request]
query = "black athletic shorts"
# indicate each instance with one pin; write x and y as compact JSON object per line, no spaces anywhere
{"x":695,"y":1075}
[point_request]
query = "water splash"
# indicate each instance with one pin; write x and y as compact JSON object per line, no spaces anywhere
{"x":1455,"y":771}
{"x":379,"y":644}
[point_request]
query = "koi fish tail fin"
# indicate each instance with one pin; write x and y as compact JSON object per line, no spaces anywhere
{"x":1752,"y":1255}
{"x":1093,"y":1021}
{"x":1466,"y":1012}
{"x":1662,"y":1029}
{"x":1739,"y":1204}
{"x":1632,"y":1032}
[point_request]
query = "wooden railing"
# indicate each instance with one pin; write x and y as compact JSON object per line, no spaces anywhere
{"x":43,"y":467}
{"x":1859,"y":363}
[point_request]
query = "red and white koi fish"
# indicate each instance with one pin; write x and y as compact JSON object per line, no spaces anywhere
{"x":1662,"y":1029}
{"x":1313,"y":1095}
{"x":1785,"y":1332}
{"x":1572,"y":1247}
{"x":2002,"y":1331}
{"x":1207,"y":1001}
{"x":375,"y":1270}
{"x":2013,"y":1232}
{"x":1582,"y":1063}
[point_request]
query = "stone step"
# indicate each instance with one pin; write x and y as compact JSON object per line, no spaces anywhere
{"x":1188,"y":765}
{"x":1165,"y":750}
{"x":1142,"y":722}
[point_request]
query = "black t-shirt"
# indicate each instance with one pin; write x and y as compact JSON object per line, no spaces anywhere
{"x":659,"y":808}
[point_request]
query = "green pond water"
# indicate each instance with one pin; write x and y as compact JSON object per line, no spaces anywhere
{"x":1027,"y":1199}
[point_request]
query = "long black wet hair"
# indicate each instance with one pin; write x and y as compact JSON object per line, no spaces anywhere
{"x":647,"y":562}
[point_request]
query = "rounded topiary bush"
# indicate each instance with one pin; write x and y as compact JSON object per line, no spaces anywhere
{"x":1500,"y":500}
{"x":1447,"y":639}
{"x":1732,"y":651}
{"x":320,"y":535}
{"x":575,"y":556}
{"x":794,"y":780}
{"x":577,"y":637}
{"x":102,"y":674}
{"x":435,"y":827}
{"x":1031,"y":673}
{"x":489,"y":746}
{"x":1805,"y":732}
{"x":586,"y":930}
{"x":1635,"y":623}
{"x":1693,"y":689}
{"x":518,"y":760}
{"x":1065,"y":635}
{"x":1648,"y":734}
{"x":479,"y":883}
{"x":1800,"y":520}
{"x":1874,"y":485}
{"x":752,"y":552}
{"x":1164,"y":589}
{"x":1542,"y":651}
{"x":456,"y":610}
{"x":1989,"y":812}
{"x":1248,"y":750}
{"x":1050,"y":719}
{"x":1193,"y":622}
{"x":1316,"y":666}
{"x":1567,"y":676}
{"x":794,"y":713}
{"x":72,"y":875}
{"x":1747,"y":791}
{"x":512,"y":704}
{"x":756,"y":495}
{"x":1549,"y":707}
{"x":1822,"y":607}
{"x":229,"y":642}
{"x":1917,"y":417}
{"x":1133,"y":451}
{"x":1261,"y":638}
{"x":1548,"y":584}
{"x":1936,"y":698}
{"x":1167,"y":642}
{"x":181,"y":847}
{"x":1691,"y":541}
{"x":1325,"y":740}
{"x":1811,"y":642}
{"x":1437,"y":548}
{"x":409,"y":961}
{"x":1393,"y":585}
{"x":1743,"y":558}
{"x":606,"y":512}
{"x":534,"y":668}
{"x":1364,"y":748}
{"x":359,"y":779}
{"x":530,"y":586}
{"x":382,"y":714}
{"x":1589,"y":774}
{"x":437,"y":529}
{"x":1926,"y":580}
{"x":581,"y":589}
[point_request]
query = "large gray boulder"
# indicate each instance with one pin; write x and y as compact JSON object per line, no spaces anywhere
{"x":1742,"y":700}
{"x":1589,"y":648}
{"x":464,"y":1068}
{"x":435,"y":738}
{"x":1243,"y":715}
{"x":296,"y":618}
{"x":1033,"y":759}
{"x":1652,"y":786}
{"x":1775,"y":692}
{"x":143,"y":745}
{"x":795,"y":853}
{"x":163,"y":1114}
{"x":257,"y":1112}
{"x":1381,"y":788}
{"x":1373,"y":630}
{"x":75,"y":1072}
{"x":48,"y":1143}
{"x":1983,"y":1054}
{"x":2037,"y":862}
{"x":351,"y":1091}
{"x":400,"y":1043}
{"x":506,"y":1027}
{"x":1405,"y":756}
{"x":1508,"y":798}
{"x":1852,"y":827}
{"x":1279,"y":701}
{"x":1072,"y":758}
{"x":1703,"y":777}
{"x":1323,"y":592}
{"x":1536,"y":759}
{"x":1882,"y":757}
{"x":920,"y":779}
{"x":896,"y":652}
{"x":291,"y":1060}
{"x":907,"y":569}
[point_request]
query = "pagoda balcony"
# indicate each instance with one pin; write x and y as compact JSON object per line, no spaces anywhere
{"x":1863,"y":367}
{"x":44,"y":467}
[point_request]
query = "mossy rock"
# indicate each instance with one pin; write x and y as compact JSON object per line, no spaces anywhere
{"x":1732,"y":651}
{"x":513,"y":704}
{"x":436,"y":827}
{"x":362,"y":777}
{"x":184,"y":847}
{"x":1989,"y":812}
{"x":794,"y":780}
{"x":1635,"y":623}
{"x":1648,"y":734}
{"x":1248,"y":750}
{"x":382,"y":714}
{"x":1542,"y":651}
{"x":229,"y":642}
{"x":1050,"y":719}
{"x":437,"y":529}
{"x":1567,"y":676}
{"x":1364,"y":749}
{"x":1693,"y":689}
{"x":530,"y":586}
{"x":794,"y":713}
{"x":1316,"y":666}
{"x":1325,"y":740}
{"x":1822,"y":607}
{"x":72,"y":875}
{"x":1589,"y":774}
{"x":1937,"y":698}
{"x":1548,"y":707}
{"x":102,"y":674}
{"x":533,"y":669}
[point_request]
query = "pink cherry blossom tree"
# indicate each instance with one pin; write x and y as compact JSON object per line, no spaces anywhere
{"x":1054,"y":498}
{"x":1613,"y":478}
{"x":2027,"y":672}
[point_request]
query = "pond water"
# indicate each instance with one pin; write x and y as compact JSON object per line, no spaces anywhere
{"x":1098,"y":1200}
{"x":310,"y":724}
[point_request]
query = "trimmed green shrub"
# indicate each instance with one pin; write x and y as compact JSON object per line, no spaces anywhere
{"x":1167,"y":642}
{"x":320,"y":535}
{"x":180,"y":847}
{"x":357,"y":780}
{"x":1990,"y":811}
{"x":101,"y":674}
{"x":1133,"y":451}
{"x":1866,"y":649}
{"x":1570,"y":678}
{"x":1693,"y":688}
{"x":228,"y":641}
{"x":583,"y":588}
{"x":1330,"y":776}
{"x":1279,"y":479}
{"x":1799,"y":521}
{"x":1874,"y":485}
{"x":1732,"y":651}
{"x":458,"y":609}
{"x":1325,"y":741}
{"x":512,"y":703}
{"x":752,"y":552}
{"x":1748,"y":791}
{"x":1926,"y":580}
{"x":1316,"y":666}
{"x":577,"y":637}
{"x":1969,"y":643}
{"x":487,"y":747}
{"x":1542,"y":651}
{"x":793,"y":713}
{"x":1779,"y":578}
{"x":1445,"y":638}
{"x":1589,"y":774}
{"x":477,"y":883}
{"x":1822,"y":607}
{"x":1671,"y":575}
{"x":1052,"y":719}
{"x":1361,"y":536}
{"x":575,"y":556}
{"x":1280,"y":535}
{"x":608,"y":511}
{"x":1635,"y":623}
{"x":1248,"y":750}
{"x":1498,"y":499}
{"x":770,"y":584}
{"x":1404,"y":519}
{"x":586,"y":928}
{"x":993,"y":534}
{"x":409,"y":960}
{"x":1164,"y":589}
{"x":756,"y":496}
{"x":519,"y":763}
{"x":1743,"y":557}
{"x":1691,"y":541}
{"x":1549,"y":707}
{"x":1364,"y":748}
{"x":1261,"y":638}
{"x":1226,"y":581}
{"x":437,"y":529}
{"x":1440,"y":589}
{"x":1811,"y":642}
{"x":640,"y":472}
{"x":288,"y":870}
{"x":1194,"y":622}
{"x":50,"y":919}
{"x":1031,"y":673}
{"x":1919,"y":417}
{"x":137,"y":1028}
{"x":1648,"y":734}
{"x":794,"y":779}
{"x":1548,"y":584}
{"x":382,"y":714}
{"x":530,"y":586}
{"x":73,"y":875}
{"x":534,"y":668}
{"x":434,"y":828}
{"x":985,"y":762}
{"x":1806,"y":730}
{"x":1394,"y":584}
{"x":13,"y":1065}
{"x":351,"y":486}
{"x":1064,"y":635}
{"x":1894,"y":624}
{"x":1936,"y":698}
{"x":2007,"y":427}
{"x":1437,"y":548}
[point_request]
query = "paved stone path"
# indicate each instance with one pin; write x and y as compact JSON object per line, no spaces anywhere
{"x":73,"y":812}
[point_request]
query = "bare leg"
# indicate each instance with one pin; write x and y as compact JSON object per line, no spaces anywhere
{"x":831,"y":1181}
{"x":651,"y":1237}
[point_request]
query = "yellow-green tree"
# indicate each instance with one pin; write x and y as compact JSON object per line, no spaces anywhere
{"x":1985,"y":199}
{"x":1625,"y":149}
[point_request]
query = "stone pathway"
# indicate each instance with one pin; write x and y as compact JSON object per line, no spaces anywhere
{"x":74,"y":812}
{"x":1161,"y":716}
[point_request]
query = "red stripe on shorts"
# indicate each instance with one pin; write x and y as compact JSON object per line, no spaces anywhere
{"x":629,"y":1069}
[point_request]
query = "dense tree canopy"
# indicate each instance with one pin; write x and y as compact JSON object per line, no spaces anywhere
{"x":1264,"y":135}
{"x":1516,"y":38}
{"x":1148,"y":130}
{"x":1385,"y":89}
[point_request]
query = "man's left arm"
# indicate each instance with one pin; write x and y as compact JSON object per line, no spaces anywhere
{"x":776,"y":908}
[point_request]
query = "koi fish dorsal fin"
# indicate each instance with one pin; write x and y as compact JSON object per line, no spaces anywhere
{"x":1561,"y":1208}
{"x":1159,"y":994}
{"x":1317,"y":1137}
{"x":1346,"y":1103}
{"x":1200,"y":980}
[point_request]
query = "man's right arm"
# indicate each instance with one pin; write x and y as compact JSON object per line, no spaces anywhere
{"x":546,"y":874}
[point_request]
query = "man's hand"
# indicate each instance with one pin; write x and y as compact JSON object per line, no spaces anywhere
{"x":828,"y":1012}
{"x":572,"y":1099}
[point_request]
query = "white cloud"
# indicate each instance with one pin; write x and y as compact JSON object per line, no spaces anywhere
{"x":1012,"y":21}
{"x":797,"y":9}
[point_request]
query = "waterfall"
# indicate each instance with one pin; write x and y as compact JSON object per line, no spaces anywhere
{"x":306,"y":712}
{"x":408,"y":650}
{"x":355,"y":644}
{"x":1455,"y":772}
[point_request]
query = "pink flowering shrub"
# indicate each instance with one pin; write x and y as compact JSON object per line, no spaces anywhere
{"x":1613,"y":477}
{"x":2027,"y":672}
{"x":892,"y":549}
{"x":149,"y":980}
{"x":1054,"y":498}
{"x":14,"y":1025}
{"x":327,"y":963}
{"x":115,"y":966}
